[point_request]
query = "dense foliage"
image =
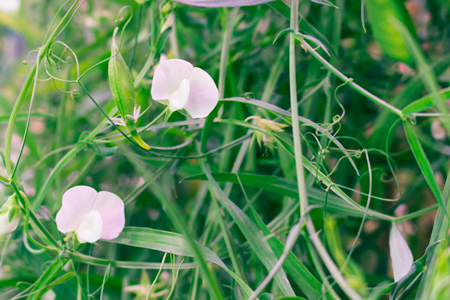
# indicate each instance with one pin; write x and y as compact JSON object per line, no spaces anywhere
{"x":345,"y":200}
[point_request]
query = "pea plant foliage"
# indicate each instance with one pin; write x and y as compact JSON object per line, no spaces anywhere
{"x":238,"y":149}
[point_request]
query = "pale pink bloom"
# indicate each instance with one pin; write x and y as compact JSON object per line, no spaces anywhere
{"x":9,"y":6}
{"x":90,"y":215}
{"x":179,"y":85}
{"x":437,"y":131}
{"x":223,"y":3}
{"x":401,"y":256}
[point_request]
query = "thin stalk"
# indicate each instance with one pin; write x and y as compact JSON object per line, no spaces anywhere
{"x":27,"y":84}
{"x":335,"y":272}
{"x":136,"y":36}
{"x":338,"y":15}
{"x":174,"y":36}
{"x":194,"y":286}
{"x":230,"y":20}
{"x":151,"y":55}
{"x":60,"y":126}
{"x":303,"y":199}
{"x":350,"y":81}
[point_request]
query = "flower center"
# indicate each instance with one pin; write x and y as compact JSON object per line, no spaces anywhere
{"x":180,"y":97}
{"x":90,"y":228}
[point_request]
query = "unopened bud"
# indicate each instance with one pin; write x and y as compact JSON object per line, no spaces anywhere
{"x":9,"y":216}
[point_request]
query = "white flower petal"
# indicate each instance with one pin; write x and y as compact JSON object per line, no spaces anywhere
{"x":118,"y":121}
{"x":401,"y":256}
{"x":76,"y":203}
{"x":90,"y":228}
{"x":223,"y":3}
{"x":112,"y":211}
{"x":168,"y":77}
{"x":180,"y":97}
{"x":9,"y":6}
{"x":5,"y":226}
{"x":204,"y":94}
{"x":10,"y":207}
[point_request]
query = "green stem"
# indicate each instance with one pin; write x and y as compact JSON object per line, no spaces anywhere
{"x":230,"y":20}
{"x":335,"y":272}
{"x":303,"y":199}
{"x":151,"y":55}
{"x":27,"y":84}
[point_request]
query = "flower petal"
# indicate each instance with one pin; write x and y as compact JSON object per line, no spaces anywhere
{"x":9,"y":6}
{"x":180,"y":97}
{"x":112,"y":211}
{"x":6,"y":226}
{"x":204,"y":94}
{"x":401,"y":256}
{"x":76,"y":203}
{"x":168,"y":77}
{"x":223,"y":3}
{"x":90,"y":228}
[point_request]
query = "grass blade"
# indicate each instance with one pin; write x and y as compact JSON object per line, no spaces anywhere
{"x":423,"y":162}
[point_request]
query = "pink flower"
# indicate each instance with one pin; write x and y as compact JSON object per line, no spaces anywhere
{"x":222,"y":3}
{"x":181,"y":86}
{"x":9,"y":6}
{"x":90,"y":215}
{"x":401,"y":256}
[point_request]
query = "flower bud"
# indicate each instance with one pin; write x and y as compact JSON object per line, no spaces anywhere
{"x":166,"y":9}
{"x":9,"y":216}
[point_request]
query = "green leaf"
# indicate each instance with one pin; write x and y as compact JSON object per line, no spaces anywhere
{"x":324,"y":2}
{"x":139,"y":265}
{"x":391,"y":42}
{"x":425,"y":102}
{"x":163,"y":241}
{"x":423,"y":162}
{"x":121,"y":84}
